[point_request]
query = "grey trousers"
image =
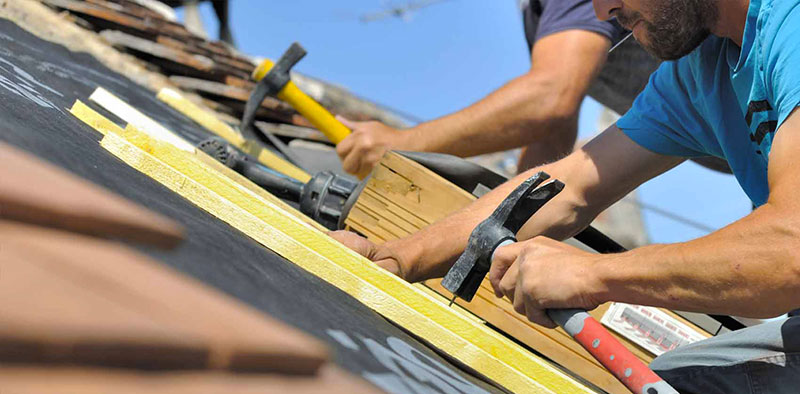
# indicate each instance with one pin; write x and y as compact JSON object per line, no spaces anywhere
{"x":758,"y":359}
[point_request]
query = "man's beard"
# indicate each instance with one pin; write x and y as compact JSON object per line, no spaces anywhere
{"x":677,"y":28}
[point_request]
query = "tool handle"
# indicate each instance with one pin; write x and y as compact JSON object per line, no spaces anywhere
{"x":598,"y":241}
{"x":606,"y":349}
{"x":320,"y":117}
{"x":614,"y":356}
{"x":315,"y":113}
{"x":278,"y":184}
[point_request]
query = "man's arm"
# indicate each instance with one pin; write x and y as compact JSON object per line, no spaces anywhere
{"x":540,"y":106}
{"x":597,"y":175}
{"x":750,"y":268}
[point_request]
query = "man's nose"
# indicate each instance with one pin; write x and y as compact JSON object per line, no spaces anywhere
{"x":604,"y":8}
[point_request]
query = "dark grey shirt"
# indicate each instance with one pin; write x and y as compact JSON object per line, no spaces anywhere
{"x":628,"y":68}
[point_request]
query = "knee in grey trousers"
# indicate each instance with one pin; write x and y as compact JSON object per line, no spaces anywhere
{"x":758,"y":359}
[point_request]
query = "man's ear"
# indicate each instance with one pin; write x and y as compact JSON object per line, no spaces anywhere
{"x":603,"y":8}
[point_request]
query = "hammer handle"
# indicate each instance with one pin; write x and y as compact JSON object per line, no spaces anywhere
{"x":598,"y":241}
{"x":606,"y":349}
{"x":320,"y":117}
{"x":323,"y":120}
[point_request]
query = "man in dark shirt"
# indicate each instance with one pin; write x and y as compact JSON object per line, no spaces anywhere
{"x":538,"y":110}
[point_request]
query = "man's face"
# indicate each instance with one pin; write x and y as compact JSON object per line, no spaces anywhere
{"x":668,"y":29}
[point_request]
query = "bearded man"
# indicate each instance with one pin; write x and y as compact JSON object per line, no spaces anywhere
{"x":730,"y":88}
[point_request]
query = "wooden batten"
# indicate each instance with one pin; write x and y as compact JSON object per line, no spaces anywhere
{"x":228,"y":133}
{"x":126,"y":112}
{"x":459,"y":336}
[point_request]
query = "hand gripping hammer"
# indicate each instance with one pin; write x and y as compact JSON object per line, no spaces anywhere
{"x":500,"y":229}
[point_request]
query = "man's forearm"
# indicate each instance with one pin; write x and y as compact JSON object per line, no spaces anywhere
{"x":433,"y":249}
{"x":750,"y":268}
{"x":530,"y":108}
{"x":540,"y":106}
{"x":597,"y":175}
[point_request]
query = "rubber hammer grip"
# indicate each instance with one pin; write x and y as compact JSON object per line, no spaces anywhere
{"x":606,"y":349}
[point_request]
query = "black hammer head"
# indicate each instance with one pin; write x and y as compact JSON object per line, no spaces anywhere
{"x":272,"y":83}
{"x":466,"y":275}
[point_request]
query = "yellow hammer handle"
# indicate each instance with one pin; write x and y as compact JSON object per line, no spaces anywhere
{"x":306,"y":106}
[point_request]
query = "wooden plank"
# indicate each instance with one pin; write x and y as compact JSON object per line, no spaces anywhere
{"x":40,"y":380}
{"x":106,"y":18}
{"x":237,"y":98}
{"x":131,"y":9}
{"x":104,"y":126}
{"x":239,"y":83}
{"x":240,"y":65}
{"x":69,"y":298}
{"x":485,"y":351}
{"x":572,"y":358}
{"x":92,"y":118}
{"x":222,"y":129}
{"x":292,"y":131}
{"x":421,"y":193}
{"x":124,"y":111}
{"x":33,"y":191}
{"x":142,"y":46}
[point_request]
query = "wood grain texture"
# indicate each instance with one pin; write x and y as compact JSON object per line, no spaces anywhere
{"x":33,"y":380}
{"x":68,"y":298}
{"x":37,"y":192}
{"x":403,"y":197}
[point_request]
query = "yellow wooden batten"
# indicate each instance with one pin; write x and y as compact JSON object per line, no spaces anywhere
{"x":104,"y":126}
{"x":473,"y":344}
{"x":93,"y":119}
{"x":222,"y":129}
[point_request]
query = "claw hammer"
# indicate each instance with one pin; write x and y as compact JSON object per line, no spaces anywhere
{"x":274,"y":79}
{"x":500,"y":229}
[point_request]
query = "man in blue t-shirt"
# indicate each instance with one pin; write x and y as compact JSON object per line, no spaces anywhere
{"x":731,"y":89}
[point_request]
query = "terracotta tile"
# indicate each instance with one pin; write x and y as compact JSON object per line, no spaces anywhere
{"x":33,"y":380}
{"x":68,"y":297}
{"x":37,"y":192}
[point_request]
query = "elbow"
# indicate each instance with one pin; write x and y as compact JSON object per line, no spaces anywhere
{"x":557,"y":99}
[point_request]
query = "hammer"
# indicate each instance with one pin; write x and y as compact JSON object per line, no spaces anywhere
{"x":500,"y":229}
{"x":326,"y":197}
{"x":274,"y":80}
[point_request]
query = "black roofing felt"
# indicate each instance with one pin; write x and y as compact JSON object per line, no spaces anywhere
{"x":40,"y":80}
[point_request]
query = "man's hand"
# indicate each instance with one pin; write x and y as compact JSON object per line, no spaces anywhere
{"x":379,"y":254}
{"x":362,"y":149}
{"x":541,"y":274}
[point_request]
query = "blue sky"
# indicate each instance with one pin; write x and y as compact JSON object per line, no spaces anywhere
{"x":442,"y":59}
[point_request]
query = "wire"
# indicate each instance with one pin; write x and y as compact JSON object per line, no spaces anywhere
{"x":669,"y":215}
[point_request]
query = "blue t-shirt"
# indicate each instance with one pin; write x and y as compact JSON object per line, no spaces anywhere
{"x":724,"y":101}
